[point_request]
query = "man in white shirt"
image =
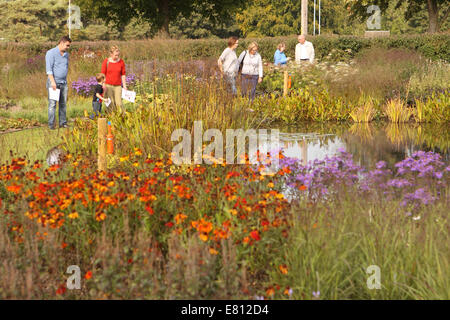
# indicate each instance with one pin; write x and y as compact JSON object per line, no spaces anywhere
{"x":304,"y":50}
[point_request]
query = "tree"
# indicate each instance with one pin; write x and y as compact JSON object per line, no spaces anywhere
{"x":438,"y":10}
{"x":159,"y":13}
{"x":199,"y":25}
{"x":32,"y":20}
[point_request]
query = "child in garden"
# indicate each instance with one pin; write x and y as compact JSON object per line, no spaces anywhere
{"x":98,"y":94}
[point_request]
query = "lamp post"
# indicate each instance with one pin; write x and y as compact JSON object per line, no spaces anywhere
{"x":304,"y":17}
{"x":70,"y":19}
{"x":314,"y":18}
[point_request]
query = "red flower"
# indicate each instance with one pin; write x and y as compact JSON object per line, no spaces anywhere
{"x":61,"y":290}
{"x":88,"y":275}
{"x":149,"y":210}
{"x":255,"y":235}
{"x":169,"y":224}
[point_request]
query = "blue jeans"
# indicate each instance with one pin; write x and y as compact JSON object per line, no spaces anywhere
{"x":97,"y":106}
{"x":62,"y":105}
{"x":249,"y":82}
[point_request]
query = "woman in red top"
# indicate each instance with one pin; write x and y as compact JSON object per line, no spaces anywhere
{"x":114,"y":70}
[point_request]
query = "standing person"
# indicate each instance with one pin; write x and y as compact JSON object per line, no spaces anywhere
{"x":280,"y":57}
{"x":252,"y":69}
{"x":228,"y":63}
{"x":98,"y":94}
{"x":57,"y":67}
{"x":304,"y":50}
{"x":114,"y":70}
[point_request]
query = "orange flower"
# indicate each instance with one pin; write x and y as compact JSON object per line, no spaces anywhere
{"x":14,"y":188}
{"x":302,"y":188}
{"x":213,"y":251}
{"x":88,"y":275}
{"x":100,"y":217}
{"x":283,"y":268}
{"x":179,"y":218}
{"x":270,"y":291}
{"x":63,"y":245}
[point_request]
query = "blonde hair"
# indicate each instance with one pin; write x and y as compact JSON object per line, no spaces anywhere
{"x":282,"y":44}
{"x":113,"y":49}
{"x":252,"y":45}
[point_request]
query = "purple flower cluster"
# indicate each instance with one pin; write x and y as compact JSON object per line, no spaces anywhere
{"x":416,"y":181}
{"x":85,"y":87}
{"x":324,"y":177}
{"x":34,"y":63}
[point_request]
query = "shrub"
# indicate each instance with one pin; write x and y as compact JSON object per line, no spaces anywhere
{"x":397,"y":111}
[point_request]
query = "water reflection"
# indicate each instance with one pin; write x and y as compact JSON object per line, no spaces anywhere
{"x":368,"y":143}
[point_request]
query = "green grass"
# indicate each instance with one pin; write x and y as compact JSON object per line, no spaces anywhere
{"x":37,"y":108}
{"x":33,"y":143}
{"x":333,"y":245}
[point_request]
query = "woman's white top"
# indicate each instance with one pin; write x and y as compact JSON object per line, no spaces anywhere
{"x":229,"y":61}
{"x":252,"y":64}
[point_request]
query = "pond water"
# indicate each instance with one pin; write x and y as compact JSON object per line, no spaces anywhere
{"x":368,"y":143}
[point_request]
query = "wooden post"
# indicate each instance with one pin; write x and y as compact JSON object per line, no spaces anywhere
{"x":286,"y":79}
{"x":102,"y":144}
{"x":304,"y":148}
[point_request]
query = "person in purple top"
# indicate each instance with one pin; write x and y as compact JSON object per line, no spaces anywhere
{"x":57,"y":67}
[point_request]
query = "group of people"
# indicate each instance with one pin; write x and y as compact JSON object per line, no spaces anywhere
{"x":110,"y":81}
{"x":249,"y":63}
{"x":112,"y":78}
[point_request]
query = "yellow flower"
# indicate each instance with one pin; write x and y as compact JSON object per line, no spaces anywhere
{"x":125,"y":158}
{"x":73,"y":215}
{"x":203,"y":237}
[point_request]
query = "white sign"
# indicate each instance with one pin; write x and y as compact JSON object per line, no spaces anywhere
{"x":128,"y":95}
{"x":107,"y":101}
{"x":53,"y":94}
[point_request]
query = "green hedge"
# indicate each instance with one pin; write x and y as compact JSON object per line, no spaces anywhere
{"x":433,"y":46}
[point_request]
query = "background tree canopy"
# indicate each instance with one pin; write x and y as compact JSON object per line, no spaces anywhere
{"x":42,"y":20}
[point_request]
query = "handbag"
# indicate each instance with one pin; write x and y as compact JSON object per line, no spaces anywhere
{"x":241,"y":65}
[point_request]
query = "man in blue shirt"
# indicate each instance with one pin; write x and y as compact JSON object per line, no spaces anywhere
{"x":57,"y":67}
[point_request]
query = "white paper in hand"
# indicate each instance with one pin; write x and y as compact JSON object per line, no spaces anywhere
{"x":53,"y":94}
{"x":128,"y":95}
{"x":107,"y":102}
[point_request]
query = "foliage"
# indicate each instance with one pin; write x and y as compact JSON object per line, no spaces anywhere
{"x":32,"y":21}
{"x":430,"y":110}
{"x":8,"y":124}
{"x":150,"y":229}
{"x":158,"y":13}
{"x":413,"y":9}
{"x":365,"y":111}
{"x":397,"y":111}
